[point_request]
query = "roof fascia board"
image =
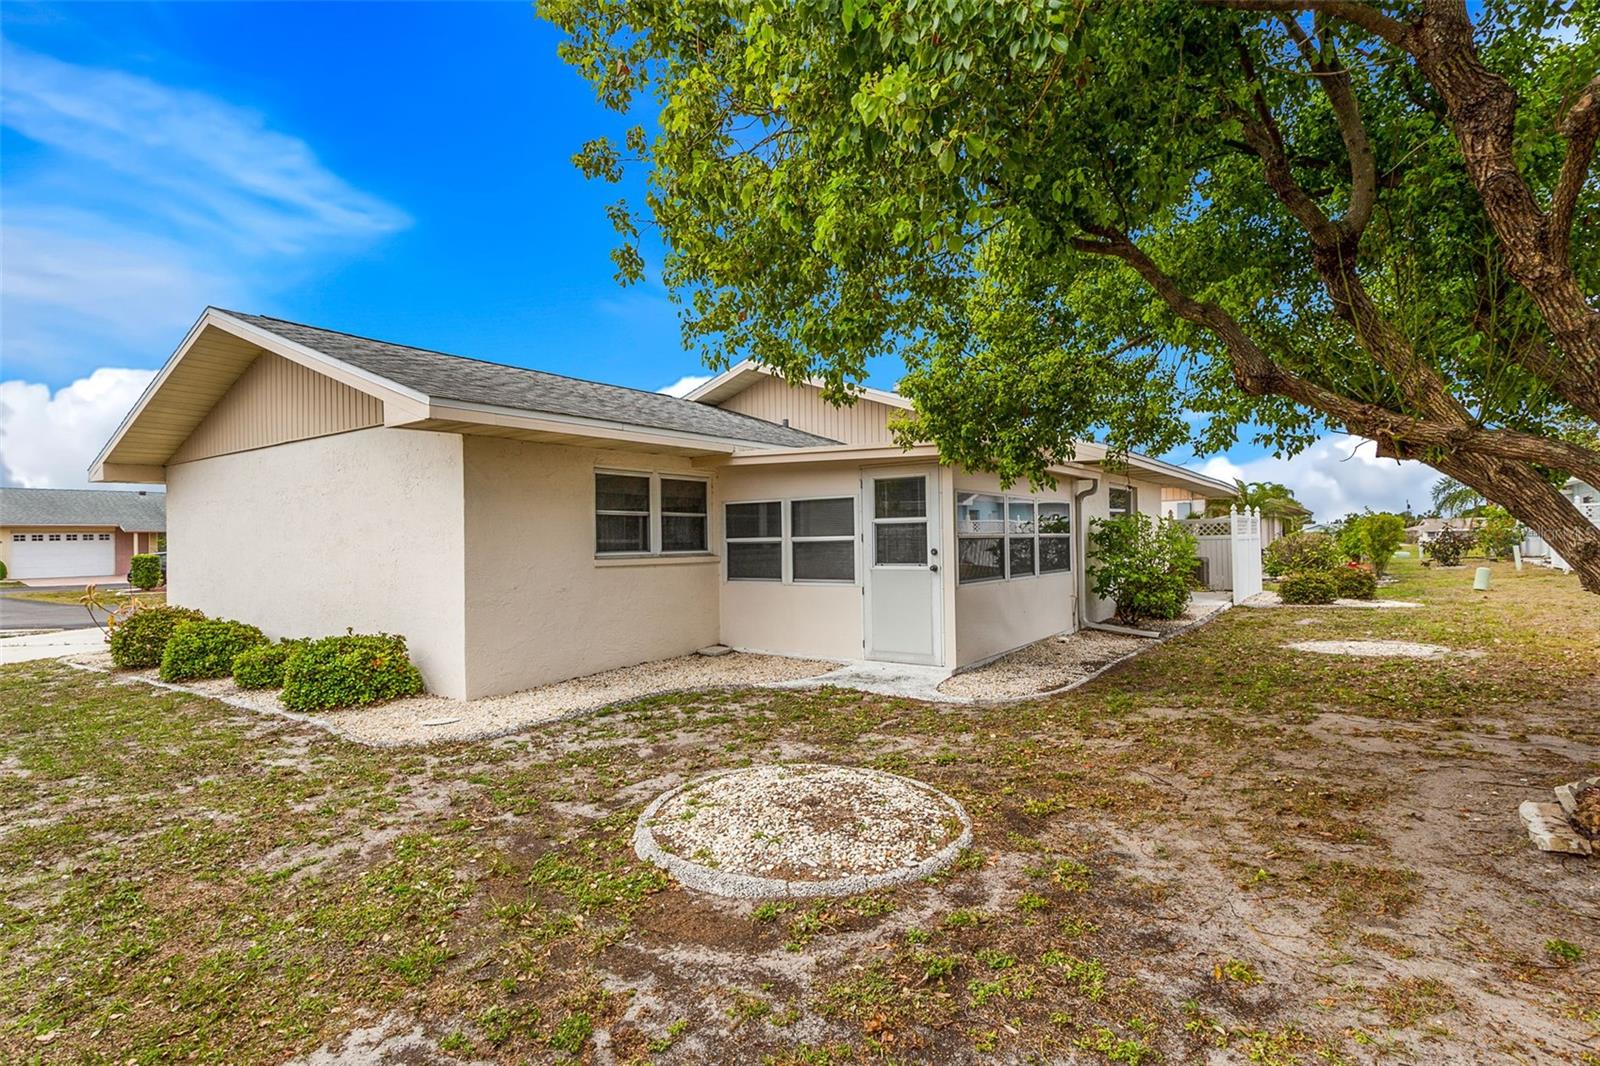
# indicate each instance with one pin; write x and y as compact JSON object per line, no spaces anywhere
{"x":129,"y":473}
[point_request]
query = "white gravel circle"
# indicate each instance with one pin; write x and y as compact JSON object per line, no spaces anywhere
{"x":803,"y":829}
{"x":1403,"y":649}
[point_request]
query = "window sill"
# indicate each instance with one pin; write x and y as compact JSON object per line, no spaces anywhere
{"x":689,"y":559}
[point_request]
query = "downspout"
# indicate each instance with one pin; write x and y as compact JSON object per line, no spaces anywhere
{"x":1082,"y":583}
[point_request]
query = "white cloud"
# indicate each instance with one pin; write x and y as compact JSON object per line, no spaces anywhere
{"x":47,"y":440}
{"x":685,"y":385}
{"x":1337,"y":475}
{"x":137,"y":203}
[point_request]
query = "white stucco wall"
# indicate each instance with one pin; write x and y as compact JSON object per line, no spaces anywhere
{"x":993,"y":617}
{"x":540,"y":607}
{"x":360,"y":530}
{"x":820,"y":620}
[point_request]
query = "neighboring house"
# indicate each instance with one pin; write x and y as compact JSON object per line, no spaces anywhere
{"x":1425,"y":531}
{"x":520,"y":527}
{"x":78,"y":532}
{"x":1586,"y":498}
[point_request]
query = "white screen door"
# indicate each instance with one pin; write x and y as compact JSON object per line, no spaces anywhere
{"x":904,"y":592}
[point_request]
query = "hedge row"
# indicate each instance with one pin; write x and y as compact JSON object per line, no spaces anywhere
{"x":1325,"y":586}
{"x":315,"y":675}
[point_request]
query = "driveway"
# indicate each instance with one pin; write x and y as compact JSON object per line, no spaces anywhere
{"x":28,"y":646}
{"x":31,"y":614}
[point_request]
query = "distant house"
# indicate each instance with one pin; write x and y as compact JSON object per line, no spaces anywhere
{"x":1586,"y":498}
{"x":1428,"y":529}
{"x":78,"y":532}
{"x":521,"y":527}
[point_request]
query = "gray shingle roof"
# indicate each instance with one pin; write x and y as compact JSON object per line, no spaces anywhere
{"x":454,"y":377}
{"x":136,"y":512}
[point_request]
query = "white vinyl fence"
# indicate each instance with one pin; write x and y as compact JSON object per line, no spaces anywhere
{"x":1230,"y":551}
{"x":1591,"y":511}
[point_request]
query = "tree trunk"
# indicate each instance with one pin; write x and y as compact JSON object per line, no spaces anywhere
{"x":1534,"y":502}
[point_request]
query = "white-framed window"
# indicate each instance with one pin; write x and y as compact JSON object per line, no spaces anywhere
{"x":72,"y":536}
{"x":1122,"y":501}
{"x":684,"y":514}
{"x":900,"y":521}
{"x":16,"y":537}
{"x":105,"y":536}
{"x":1002,"y":538}
{"x":37,"y":536}
{"x":753,"y":540}
{"x":54,"y":536}
{"x":649,"y":513}
{"x":822,"y":539}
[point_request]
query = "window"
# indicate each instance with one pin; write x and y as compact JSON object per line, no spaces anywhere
{"x":37,"y":536}
{"x":900,"y":521}
{"x":999,"y":537}
{"x":1055,"y":537}
{"x":822,"y":539}
{"x":161,"y":539}
{"x":72,"y":536}
{"x":754,"y":538}
{"x":1124,"y":501}
{"x":683,"y":515}
{"x":621,"y":513}
{"x":15,"y":537}
{"x":55,"y":536}
{"x":645,"y":514}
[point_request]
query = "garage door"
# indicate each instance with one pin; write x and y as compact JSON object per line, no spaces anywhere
{"x":62,"y":553}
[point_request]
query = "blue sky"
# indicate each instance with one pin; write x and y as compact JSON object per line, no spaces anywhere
{"x":398,"y":170}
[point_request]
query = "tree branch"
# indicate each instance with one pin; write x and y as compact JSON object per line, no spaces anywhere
{"x":1397,"y":434}
{"x":1335,"y":82}
{"x":1360,"y":13}
{"x":1581,"y":128}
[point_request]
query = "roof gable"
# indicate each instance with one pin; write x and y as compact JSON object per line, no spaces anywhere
{"x":419,"y":389}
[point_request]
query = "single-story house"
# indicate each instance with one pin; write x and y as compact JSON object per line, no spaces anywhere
{"x":1586,"y":498}
{"x":78,"y":532}
{"x":520,"y":527}
{"x":1427,"y":529}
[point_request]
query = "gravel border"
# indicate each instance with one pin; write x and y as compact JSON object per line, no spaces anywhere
{"x":422,"y":720}
{"x":693,"y":875}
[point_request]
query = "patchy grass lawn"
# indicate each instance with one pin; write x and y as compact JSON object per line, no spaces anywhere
{"x":1219,"y":845}
{"x":74,"y":596}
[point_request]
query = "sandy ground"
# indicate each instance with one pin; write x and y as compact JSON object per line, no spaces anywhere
{"x":1381,"y":649}
{"x":437,"y":719}
{"x":1270,"y":598}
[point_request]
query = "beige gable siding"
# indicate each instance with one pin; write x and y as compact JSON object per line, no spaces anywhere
{"x":865,"y":422}
{"x":277,"y":401}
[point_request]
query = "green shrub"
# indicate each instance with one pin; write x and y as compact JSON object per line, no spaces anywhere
{"x":138,"y":640}
{"x":1447,"y":548}
{"x":262,"y":666}
{"x":1296,"y":552}
{"x":1143,"y":566}
{"x":1373,"y":538}
{"x":144,"y":572}
{"x":1312,"y":586}
{"x":3,"y":570}
{"x":205,"y":647}
{"x":1499,"y":533}
{"x":349,"y":671}
{"x":1355,"y":583}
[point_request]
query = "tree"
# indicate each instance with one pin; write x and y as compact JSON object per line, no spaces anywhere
{"x":1105,"y":217}
{"x":1270,"y":498}
{"x":1499,"y":533}
{"x":1372,"y":538}
{"x":1452,"y":499}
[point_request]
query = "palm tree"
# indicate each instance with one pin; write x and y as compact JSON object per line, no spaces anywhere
{"x":1452,"y":499}
{"x":1270,"y":498}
